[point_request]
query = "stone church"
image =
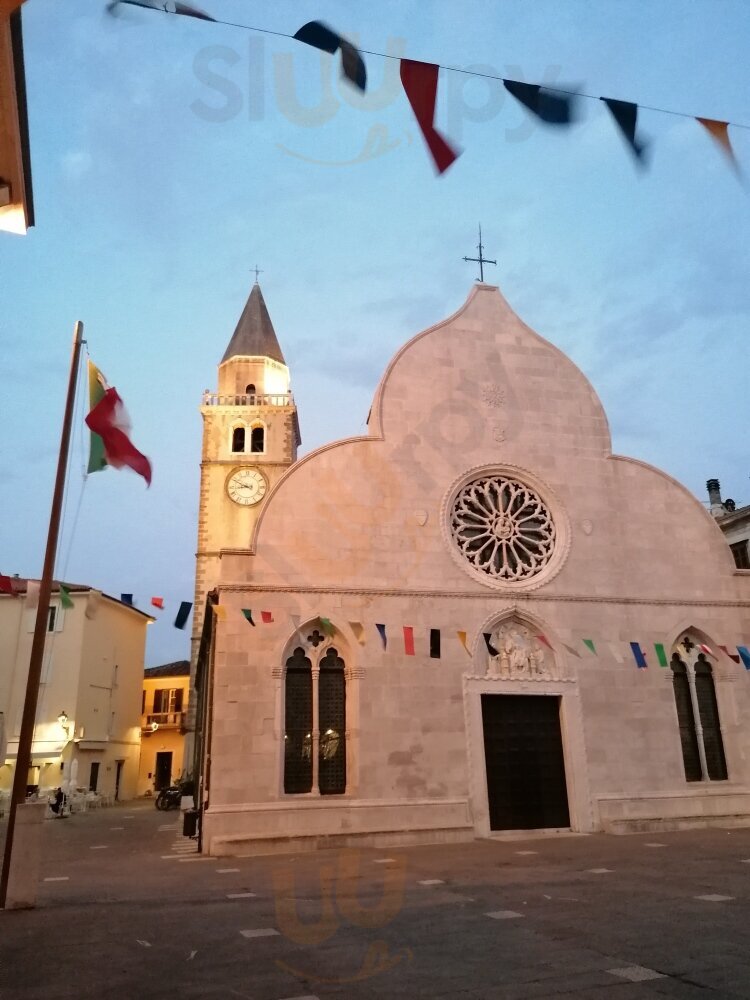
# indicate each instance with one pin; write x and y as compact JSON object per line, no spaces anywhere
{"x":396,"y":653}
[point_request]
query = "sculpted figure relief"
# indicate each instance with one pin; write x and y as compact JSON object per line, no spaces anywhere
{"x":519,"y":655}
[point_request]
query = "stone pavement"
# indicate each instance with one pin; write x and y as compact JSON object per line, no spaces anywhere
{"x":128,"y":910}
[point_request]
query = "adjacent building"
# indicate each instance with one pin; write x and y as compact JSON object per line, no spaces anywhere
{"x":734,"y":521}
{"x":16,"y":198}
{"x":89,"y":707}
{"x":474,"y":618}
{"x":164,"y":706}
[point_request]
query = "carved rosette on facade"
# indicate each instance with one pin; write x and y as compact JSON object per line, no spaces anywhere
{"x":520,"y":655}
{"x":506,"y":528}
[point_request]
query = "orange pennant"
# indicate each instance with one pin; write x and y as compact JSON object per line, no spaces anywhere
{"x":719,"y":132}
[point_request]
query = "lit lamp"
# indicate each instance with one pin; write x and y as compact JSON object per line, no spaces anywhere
{"x":63,"y":720}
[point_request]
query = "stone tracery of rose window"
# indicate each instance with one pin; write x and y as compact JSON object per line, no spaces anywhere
{"x":502,"y":528}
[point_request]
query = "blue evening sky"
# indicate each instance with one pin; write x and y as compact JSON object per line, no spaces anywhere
{"x":169,"y":155}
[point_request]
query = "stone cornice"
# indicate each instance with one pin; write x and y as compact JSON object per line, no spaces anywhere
{"x":492,"y":597}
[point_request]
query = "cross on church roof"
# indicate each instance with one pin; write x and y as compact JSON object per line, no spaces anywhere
{"x":481,"y":259}
{"x":257,"y":272}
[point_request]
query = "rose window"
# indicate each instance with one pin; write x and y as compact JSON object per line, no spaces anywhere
{"x":502,"y":528}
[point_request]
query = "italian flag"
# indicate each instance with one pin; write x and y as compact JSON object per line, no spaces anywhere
{"x":109,"y":424}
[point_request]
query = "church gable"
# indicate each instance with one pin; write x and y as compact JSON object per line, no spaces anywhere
{"x":488,"y":465}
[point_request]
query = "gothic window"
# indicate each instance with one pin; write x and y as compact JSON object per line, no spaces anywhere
{"x":258,"y":438}
{"x":332,"y":725}
{"x":698,"y":716}
{"x":238,"y":439}
{"x":315,"y":755}
{"x":298,"y":765}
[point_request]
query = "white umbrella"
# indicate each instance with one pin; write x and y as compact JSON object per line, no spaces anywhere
{"x":73,"y":776}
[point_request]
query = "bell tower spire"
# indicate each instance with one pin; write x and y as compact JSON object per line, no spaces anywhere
{"x":250,"y":437}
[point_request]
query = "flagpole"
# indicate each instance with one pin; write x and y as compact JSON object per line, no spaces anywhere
{"x":20,"y":777}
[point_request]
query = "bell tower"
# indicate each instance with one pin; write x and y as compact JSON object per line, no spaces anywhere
{"x":250,"y":437}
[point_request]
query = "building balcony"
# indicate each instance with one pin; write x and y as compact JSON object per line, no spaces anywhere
{"x":256,"y":399}
{"x":165,"y":720}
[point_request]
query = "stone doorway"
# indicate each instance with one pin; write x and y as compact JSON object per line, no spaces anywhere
{"x":525,"y":766}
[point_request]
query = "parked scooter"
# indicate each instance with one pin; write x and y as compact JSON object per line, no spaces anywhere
{"x":169,"y":798}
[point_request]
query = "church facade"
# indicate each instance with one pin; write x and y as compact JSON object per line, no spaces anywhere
{"x":398,"y":648}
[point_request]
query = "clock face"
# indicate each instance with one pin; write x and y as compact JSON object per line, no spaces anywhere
{"x":246,"y":487}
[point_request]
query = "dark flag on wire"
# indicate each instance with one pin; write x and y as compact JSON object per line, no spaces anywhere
{"x":420,"y":82}
{"x":554,"y":109}
{"x":488,"y":643}
{"x":183,"y":614}
{"x":626,"y":115}
{"x":320,"y":36}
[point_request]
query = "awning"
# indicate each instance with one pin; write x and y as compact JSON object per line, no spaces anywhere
{"x":92,"y":744}
{"x":40,"y":750}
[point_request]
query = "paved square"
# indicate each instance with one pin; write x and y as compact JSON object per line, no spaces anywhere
{"x":470,"y":921}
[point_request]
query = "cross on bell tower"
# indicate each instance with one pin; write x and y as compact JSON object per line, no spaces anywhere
{"x":481,"y":259}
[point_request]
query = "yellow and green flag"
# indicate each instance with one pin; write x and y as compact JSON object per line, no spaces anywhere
{"x":97,"y":388}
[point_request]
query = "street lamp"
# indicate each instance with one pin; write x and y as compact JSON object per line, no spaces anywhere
{"x":63,"y":720}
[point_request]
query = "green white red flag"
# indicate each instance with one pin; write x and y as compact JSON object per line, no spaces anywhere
{"x":109,"y":424}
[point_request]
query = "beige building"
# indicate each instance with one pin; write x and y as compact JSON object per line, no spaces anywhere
{"x":164,"y":706}
{"x":734,"y":521}
{"x":484,"y":526}
{"x":90,"y":695}
{"x":16,"y":203}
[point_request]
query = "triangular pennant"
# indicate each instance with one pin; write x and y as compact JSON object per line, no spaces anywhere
{"x":572,"y":650}
{"x":732,"y":656}
{"x":381,"y":633}
{"x":552,"y":108}
{"x":744,"y":656}
{"x":325,"y":624}
{"x":157,"y":602}
{"x":320,"y":36}
{"x":661,"y":655}
{"x":183,"y":614}
{"x":359,"y":632}
{"x":626,"y":115}
{"x":65,"y":598}
{"x":408,"y":640}
{"x":248,"y":615}
{"x":221,"y":612}
{"x":543,"y":639}
{"x":266,"y":617}
{"x":614,"y":649}
{"x":706,"y":649}
{"x":169,"y":7}
{"x":420,"y":81}
{"x":127,"y":599}
{"x":462,"y":639}
{"x":488,"y":643}
{"x":589,"y":643}
{"x":719,"y":132}
{"x":92,"y":604}
{"x":639,"y":656}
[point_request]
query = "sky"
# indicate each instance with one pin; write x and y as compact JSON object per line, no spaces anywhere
{"x":170,"y":156}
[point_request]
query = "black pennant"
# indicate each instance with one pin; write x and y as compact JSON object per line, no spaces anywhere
{"x":320,"y":36}
{"x":555,"y":109}
{"x":626,"y":116}
{"x":488,"y":643}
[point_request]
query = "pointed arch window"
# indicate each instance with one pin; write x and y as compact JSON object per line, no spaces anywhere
{"x":258,"y":438}
{"x":238,"y":439}
{"x":315,"y":755}
{"x":298,"y":699}
{"x":698,"y":716}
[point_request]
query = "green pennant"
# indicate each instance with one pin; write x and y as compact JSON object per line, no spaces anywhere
{"x":65,"y":599}
{"x":325,"y":624}
{"x":247,"y":612}
{"x":589,"y":643}
{"x":661,"y":656}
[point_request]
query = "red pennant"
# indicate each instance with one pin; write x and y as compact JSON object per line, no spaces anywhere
{"x":720,"y":134}
{"x":158,"y":602}
{"x":420,"y":80}
{"x":266,"y":617}
{"x":545,"y":640}
{"x":408,"y":640}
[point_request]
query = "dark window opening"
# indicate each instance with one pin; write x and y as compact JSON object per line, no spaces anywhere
{"x":688,"y":736}
{"x":250,"y":389}
{"x":238,"y":439}
{"x":51,"y":618}
{"x":332,"y":725}
{"x":708,"y":710}
{"x":298,"y":769}
{"x":741,"y":553}
{"x":257,"y":439}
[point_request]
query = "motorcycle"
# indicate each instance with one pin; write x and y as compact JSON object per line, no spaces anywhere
{"x":169,"y":798}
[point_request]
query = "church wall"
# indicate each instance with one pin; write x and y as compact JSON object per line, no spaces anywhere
{"x":359,"y":531}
